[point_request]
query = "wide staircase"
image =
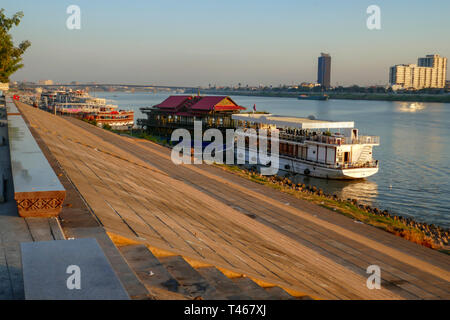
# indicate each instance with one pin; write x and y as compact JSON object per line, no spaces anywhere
{"x":170,"y":276}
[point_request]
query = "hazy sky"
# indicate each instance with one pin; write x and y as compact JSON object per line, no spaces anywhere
{"x":197,"y":42}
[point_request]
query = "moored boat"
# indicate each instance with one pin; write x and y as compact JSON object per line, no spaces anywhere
{"x":313,"y":97}
{"x":317,"y":148}
{"x":81,"y":105}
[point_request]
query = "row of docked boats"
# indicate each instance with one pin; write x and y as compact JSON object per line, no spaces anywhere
{"x":79,"y":104}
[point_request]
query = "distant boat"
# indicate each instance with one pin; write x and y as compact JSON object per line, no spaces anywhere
{"x":313,"y":97}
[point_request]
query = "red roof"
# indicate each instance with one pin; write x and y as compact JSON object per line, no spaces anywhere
{"x":209,"y":103}
{"x":172,"y":102}
{"x":197,"y":104}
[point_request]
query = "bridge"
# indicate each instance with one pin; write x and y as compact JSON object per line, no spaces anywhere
{"x":95,"y":85}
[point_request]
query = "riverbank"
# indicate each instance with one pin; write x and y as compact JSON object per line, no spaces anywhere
{"x":428,"y":235}
{"x":442,"y":98}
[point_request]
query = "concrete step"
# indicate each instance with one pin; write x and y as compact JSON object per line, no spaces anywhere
{"x":276,"y":293}
{"x":224,"y":285}
{"x":256,"y":292}
{"x":149,"y":269}
{"x":166,"y":275}
{"x":252,"y":289}
{"x":190,"y":279}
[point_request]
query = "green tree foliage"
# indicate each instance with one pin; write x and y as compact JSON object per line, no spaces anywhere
{"x":10,"y":56}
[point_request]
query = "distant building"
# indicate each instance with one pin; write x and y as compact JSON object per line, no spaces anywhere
{"x":429,"y":72}
{"x":324,"y":70}
{"x":45,"y":82}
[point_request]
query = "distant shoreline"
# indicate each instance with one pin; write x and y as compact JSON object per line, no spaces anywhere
{"x":442,"y":98}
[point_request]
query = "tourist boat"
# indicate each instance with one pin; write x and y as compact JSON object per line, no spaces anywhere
{"x":81,"y":105}
{"x":113,"y":118}
{"x":100,"y":114}
{"x":317,"y":148}
{"x":313,"y":97}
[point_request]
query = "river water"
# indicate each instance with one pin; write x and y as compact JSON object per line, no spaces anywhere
{"x":414,"y":155}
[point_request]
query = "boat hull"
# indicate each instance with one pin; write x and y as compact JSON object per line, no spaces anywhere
{"x":298,"y":166}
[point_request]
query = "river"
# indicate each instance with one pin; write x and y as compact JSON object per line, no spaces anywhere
{"x":414,"y":155}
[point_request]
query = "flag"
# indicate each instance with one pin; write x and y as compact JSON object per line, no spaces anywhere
{"x":254,"y":108}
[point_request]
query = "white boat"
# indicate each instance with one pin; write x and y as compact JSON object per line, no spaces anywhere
{"x":317,"y":148}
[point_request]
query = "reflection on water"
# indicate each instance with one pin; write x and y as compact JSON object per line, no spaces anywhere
{"x":414,"y":155}
{"x":410,"y":106}
{"x":364,"y":191}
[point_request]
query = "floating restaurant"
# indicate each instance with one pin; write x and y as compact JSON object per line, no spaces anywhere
{"x":181,"y":112}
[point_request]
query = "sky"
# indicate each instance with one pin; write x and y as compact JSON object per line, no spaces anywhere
{"x":202,"y":42}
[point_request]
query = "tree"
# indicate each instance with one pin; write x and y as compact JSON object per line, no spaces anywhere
{"x":10,"y":56}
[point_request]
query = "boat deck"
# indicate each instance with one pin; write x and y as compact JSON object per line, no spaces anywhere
{"x":213,"y":216}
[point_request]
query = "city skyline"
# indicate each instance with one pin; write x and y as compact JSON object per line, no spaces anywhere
{"x":224,"y":44}
{"x":429,"y":72}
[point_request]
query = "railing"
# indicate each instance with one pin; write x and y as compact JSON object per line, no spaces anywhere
{"x":331,"y":139}
{"x":354,"y":165}
{"x":367,"y":164}
{"x":363,"y":140}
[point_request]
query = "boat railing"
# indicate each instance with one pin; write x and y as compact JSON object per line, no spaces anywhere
{"x":334,"y":140}
{"x":345,"y":165}
{"x":363,"y":140}
{"x":366,"y":164}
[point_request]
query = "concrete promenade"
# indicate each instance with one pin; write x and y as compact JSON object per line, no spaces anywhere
{"x":218,"y":218}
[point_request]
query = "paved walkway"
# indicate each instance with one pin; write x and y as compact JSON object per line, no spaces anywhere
{"x":216,"y":217}
{"x":14,"y":230}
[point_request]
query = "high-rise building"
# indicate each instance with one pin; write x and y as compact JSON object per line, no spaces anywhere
{"x":324,"y":70}
{"x":430,"y":72}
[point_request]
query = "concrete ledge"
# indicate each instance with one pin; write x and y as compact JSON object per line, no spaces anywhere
{"x":37,"y":190}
